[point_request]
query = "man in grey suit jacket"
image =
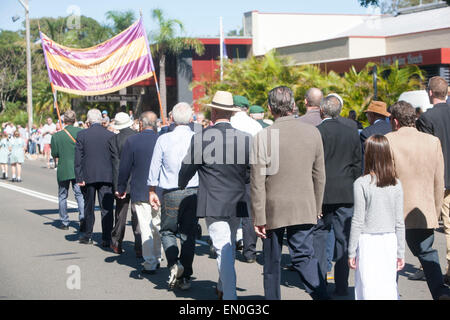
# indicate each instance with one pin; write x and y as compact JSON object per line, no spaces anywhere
{"x":287,"y":186}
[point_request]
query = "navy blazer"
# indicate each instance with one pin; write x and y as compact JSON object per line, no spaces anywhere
{"x":381,"y":127}
{"x":342,"y":153}
{"x":92,"y":155}
{"x":221,"y":191}
{"x":135,"y":160}
{"x":436,"y":121}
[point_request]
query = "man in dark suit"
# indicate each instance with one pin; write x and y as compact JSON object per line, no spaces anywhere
{"x":342,"y":152}
{"x":135,"y":162}
{"x":123,"y":123}
{"x":436,"y":121}
{"x":93,"y":171}
{"x":220,"y":155}
{"x":376,"y":114}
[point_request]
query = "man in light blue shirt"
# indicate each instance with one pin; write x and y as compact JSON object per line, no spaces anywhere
{"x":178,"y":207}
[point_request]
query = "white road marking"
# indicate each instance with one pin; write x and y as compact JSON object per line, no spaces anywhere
{"x":39,"y":195}
{"x":50,"y":198}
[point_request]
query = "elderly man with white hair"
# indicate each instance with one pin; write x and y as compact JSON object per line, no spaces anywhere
{"x":94,"y":173}
{"x":178,"y":207}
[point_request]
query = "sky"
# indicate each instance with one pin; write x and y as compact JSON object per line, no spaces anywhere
{"x":200,"y":17}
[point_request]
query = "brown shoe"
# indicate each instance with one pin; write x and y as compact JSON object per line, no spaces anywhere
{"x":116,"y":250}
{"x":219,"y":294}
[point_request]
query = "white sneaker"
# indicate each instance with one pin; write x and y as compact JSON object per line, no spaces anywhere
{"x":176,"y":271}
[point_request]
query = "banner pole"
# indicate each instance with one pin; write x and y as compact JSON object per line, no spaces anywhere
{"x":159,"y":99}
{"x":55,"y":101}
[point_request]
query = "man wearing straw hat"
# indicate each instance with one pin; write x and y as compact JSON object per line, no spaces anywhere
{"x":123,"y":123}
{"x":220,"y":155}
{"x":376,"y":114}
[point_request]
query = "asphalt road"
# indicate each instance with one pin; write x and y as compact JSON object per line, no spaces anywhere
{"x":39,"y":261}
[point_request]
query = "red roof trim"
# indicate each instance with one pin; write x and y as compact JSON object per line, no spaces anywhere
{"x":228,"y":41}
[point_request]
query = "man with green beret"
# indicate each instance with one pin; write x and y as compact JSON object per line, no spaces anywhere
{"x":257,"y":113}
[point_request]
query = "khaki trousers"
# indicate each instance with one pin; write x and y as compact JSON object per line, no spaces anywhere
{"x":150,"y":224}
{"x":445,"y":218}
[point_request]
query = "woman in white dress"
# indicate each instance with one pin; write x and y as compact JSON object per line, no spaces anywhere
{"x":4,"y":155}
{"x":377,"y":237}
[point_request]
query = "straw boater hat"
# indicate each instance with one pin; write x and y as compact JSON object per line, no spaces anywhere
{"x":122,"y":121}
{"x":223,"y":100}
{"x":378,"y":107}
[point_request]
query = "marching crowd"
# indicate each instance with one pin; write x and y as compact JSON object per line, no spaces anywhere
{"x":337,"y":191}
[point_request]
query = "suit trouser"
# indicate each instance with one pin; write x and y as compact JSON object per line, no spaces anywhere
{"x":420,"y":242}
{"x":63,"y":192}
{"x":249,"y":236}
{"x":223,"y":236}
{"x":179,"y":216}
{"x":340,"y":217}
{"x":300,"y":241}
{"x":118,"y":232}
{"x":446,"y":220}
{"x":150,"y":224}
{"x":106,"y":202}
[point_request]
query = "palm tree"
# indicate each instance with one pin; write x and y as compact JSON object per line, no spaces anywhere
{"x":165,"y":41}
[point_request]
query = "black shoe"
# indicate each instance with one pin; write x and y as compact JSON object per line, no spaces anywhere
{"x":116,"y":249}
{"x":86,"y":241}
{"x":106,"y":244}
{"x":289,"y":267}
{"x":419,"y":275}
{"x":63,"y":227}
{"x":13,"y":180}
{"x":239,"y":245}
{"x":18,"y":180}
{"x":447,"y":279}
{"x":199,"y":232}
{"x":4,"y":176}
{"x":250,"y":260}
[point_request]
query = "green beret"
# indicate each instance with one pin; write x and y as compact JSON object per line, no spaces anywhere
{"x":241,"y":102}
{"x":256,"y":109}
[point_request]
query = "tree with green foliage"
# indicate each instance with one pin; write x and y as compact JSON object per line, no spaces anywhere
{"x":255,"y":77}
{"x":388,"y":6}
{"x":121,"y":20}
{"x":165,"y":40}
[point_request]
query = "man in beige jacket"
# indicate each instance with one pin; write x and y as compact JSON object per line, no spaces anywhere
{"x":419,"y":164}
{"x":287,"y":185}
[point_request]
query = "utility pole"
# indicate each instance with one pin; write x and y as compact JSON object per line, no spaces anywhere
{"x":24,"y":3}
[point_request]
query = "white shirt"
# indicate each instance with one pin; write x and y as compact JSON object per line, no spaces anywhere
{"x":47,"y":138}
{"x":169,"y":152}
{"x":241,"y":121}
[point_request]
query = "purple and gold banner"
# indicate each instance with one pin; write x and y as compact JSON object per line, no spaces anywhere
{"x":108,"y":67}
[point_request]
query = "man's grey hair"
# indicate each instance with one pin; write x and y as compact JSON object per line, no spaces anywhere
{"x":281,"y":100}
{"x":182,"y":113}
{"x":94,"y":116}
{"x":331,"y":107}
{"x":70,"y":117}
{"x":148,"y":120}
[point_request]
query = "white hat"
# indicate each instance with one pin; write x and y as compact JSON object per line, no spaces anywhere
{"x":122,"y":121}
{"x":223,"y":100}
{"x":338,"y":97}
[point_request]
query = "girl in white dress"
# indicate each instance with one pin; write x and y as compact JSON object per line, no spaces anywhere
{"x":4,"y":155}
{"x":377,"y":237}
